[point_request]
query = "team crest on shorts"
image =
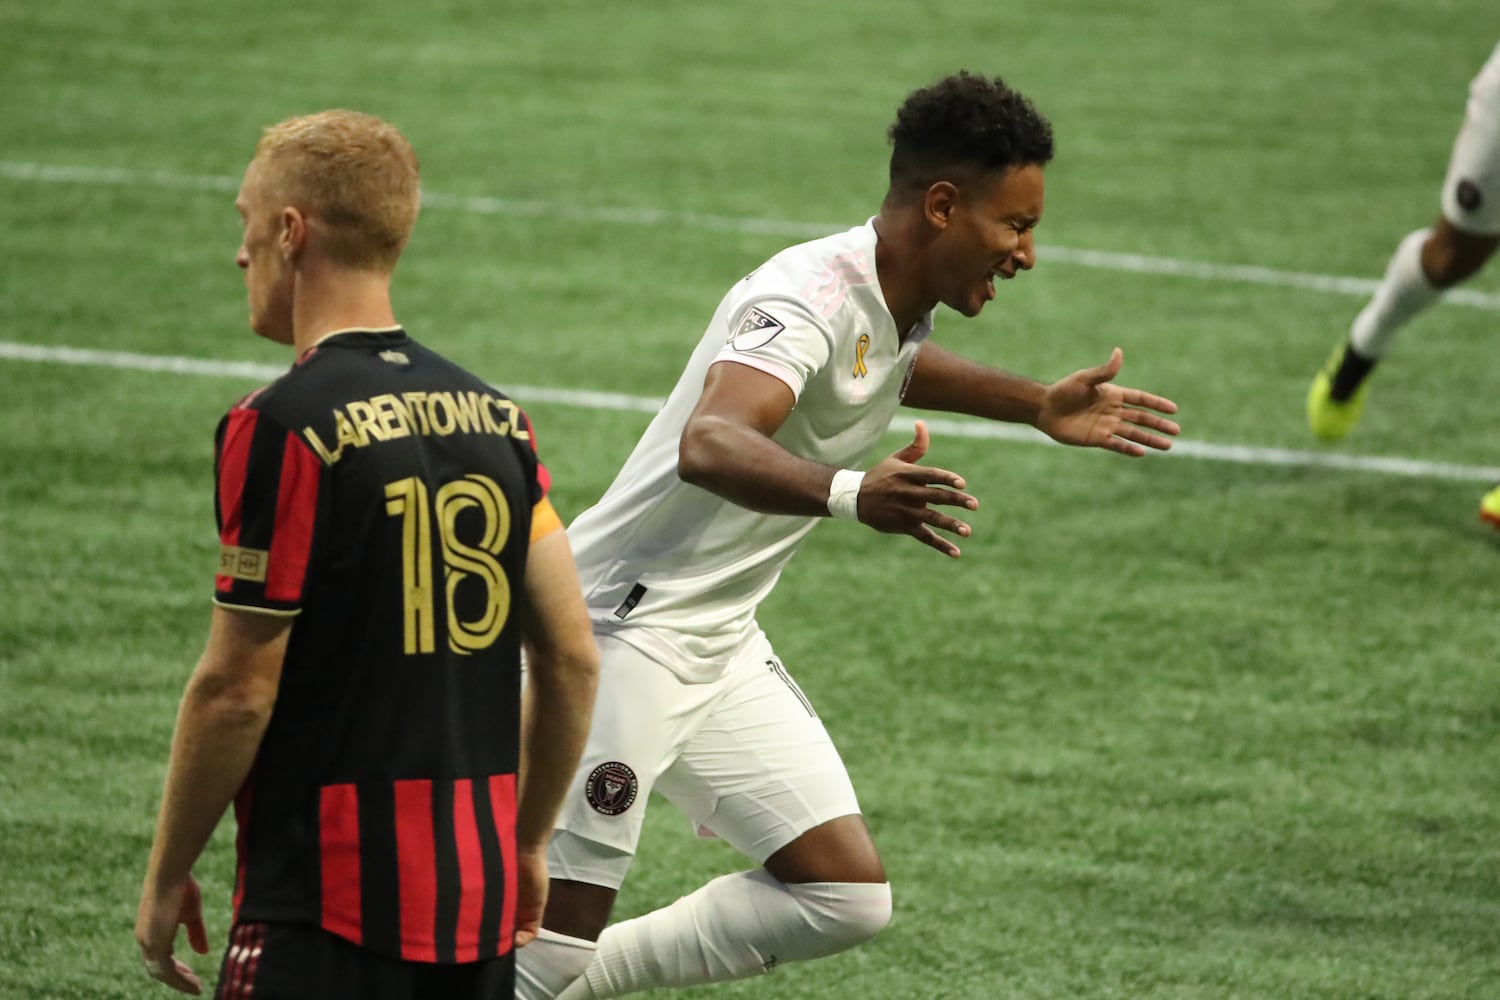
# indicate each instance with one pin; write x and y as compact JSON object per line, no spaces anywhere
{"x":611,"y":788}
{"x":1469,"y":196}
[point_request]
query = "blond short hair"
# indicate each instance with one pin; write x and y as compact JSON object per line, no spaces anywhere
{"x":351,"y":172}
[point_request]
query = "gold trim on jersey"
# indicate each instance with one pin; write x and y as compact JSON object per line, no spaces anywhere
{"x":251,"y":609}
{"x":544,"y":519}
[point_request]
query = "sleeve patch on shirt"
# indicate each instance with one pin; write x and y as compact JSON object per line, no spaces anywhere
{"x":756,"y":330}
{"x":243,"y":564}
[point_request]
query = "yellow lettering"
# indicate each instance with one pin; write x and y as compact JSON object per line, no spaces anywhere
{"x":517,"y":425}
{"x":345,"y":432}
{"x":416,"y":411}
{"x":388,"y":416}
{"x":440,"y":413}
{"x":497,"y":414}
{"x":391,"y":416}
{"x":363,"y":415}
{"x":466,"y":411}
{"x":318,"y":445}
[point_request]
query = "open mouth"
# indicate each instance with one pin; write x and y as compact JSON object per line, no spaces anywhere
{"x":995,"y":276}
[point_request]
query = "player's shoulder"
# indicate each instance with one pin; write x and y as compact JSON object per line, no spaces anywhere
{"x":815,"y":278}
{"x":849,"y":251}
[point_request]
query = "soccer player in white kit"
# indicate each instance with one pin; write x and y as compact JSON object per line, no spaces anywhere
{"x":794,"y":382}
{"x":1426,"y":263}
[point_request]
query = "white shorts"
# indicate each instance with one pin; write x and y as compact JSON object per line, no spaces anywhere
{"x":1471,"y":191}
{"x":745,"y":757}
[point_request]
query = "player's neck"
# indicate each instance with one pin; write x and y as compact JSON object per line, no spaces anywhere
{"x":328,"y":300}
{"x":900,"y":282}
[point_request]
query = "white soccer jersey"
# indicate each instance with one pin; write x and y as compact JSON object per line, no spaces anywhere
{"x":677,"y":571}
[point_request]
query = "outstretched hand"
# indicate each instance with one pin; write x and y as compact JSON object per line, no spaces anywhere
{"x":1087,"y":409}
{"x":897,"y":496}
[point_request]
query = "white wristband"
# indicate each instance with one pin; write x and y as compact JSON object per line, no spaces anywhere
{"x":843,"y":494}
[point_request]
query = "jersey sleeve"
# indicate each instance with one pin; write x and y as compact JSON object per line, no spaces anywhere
{"x":544,"y":517}
{"x":779,"y":336}
{"x":268,"y":490}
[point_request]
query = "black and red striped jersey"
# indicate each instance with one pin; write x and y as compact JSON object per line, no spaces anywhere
{"x":384,"y":496}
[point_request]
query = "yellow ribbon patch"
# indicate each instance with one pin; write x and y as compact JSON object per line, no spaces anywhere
{"x":860,"y":371}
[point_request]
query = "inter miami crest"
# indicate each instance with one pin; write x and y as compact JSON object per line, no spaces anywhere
{"x":611,"y":788}
{"x":756,"y":329}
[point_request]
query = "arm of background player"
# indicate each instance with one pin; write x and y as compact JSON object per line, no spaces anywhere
{"x":220,"y":722}
{"x":727,"y":449}
{"x":1085,"y":408}
{"x":562,"y":665}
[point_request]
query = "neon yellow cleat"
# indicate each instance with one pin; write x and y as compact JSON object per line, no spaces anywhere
{"x":1489,"y":507}
{"x":1328,"y":418}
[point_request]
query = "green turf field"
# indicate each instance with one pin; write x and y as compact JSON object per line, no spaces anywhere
{"x":1177,"y":728}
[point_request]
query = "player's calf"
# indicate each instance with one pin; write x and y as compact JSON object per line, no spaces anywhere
{"x":736,"y":926}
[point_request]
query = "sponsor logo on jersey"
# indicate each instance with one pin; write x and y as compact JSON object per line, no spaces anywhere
{"x":1469,"y":196}
{"x":243,"y":564}
{"x":756,"y":330}
{"x":394,"y":357}
{"x":611,"y":788}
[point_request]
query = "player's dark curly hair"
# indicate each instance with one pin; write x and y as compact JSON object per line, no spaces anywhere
{"x":964,"y":126}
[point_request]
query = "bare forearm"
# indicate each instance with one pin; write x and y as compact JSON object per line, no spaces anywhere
{"x":213,"y":748}
{"x":559,"y":707}
{"x":945,"y":381}
{"x":738,"y":464}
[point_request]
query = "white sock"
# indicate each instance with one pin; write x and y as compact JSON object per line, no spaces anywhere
{"x":550,"y":962}
{"x":1403,"y":292}
{"x":736,"y":926}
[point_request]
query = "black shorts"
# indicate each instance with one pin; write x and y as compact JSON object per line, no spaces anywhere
{"x":304,"y":962}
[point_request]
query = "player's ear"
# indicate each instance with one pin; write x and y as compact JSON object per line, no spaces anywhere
{"x":939,"y":203}
{"x":293,"y":235}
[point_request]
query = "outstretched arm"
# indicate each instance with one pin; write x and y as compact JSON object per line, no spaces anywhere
{"x":1085,"y":408}
{"x":727,"y":449}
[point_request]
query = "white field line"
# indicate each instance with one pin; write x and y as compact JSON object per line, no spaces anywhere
{"x":518,"y":208}
{"x":940,"y":427}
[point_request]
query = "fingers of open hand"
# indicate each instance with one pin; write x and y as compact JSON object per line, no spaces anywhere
{"x":920,"y":522}
{"x":1136,"y":397}
{"x":1151,"y":421}
{"x":1147,"y":429}
{"x":924,"y":476}
{"x":930,"y":538}
{"x":1139,"y":439}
